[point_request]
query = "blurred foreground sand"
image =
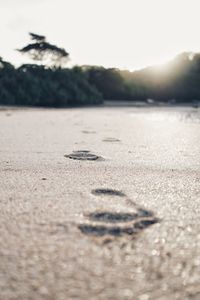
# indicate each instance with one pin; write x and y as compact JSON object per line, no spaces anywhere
{"x":64,"y":235}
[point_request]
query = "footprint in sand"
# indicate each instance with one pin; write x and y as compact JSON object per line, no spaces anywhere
{"x":111,"y":140}
{"x":88,"y":132}
{"x":108,"y":192}
{"x":83,"y":155}
{"x":117,"y":224}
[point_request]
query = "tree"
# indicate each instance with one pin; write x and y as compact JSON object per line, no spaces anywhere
{"x":42,"y":51}
{"x":5,"y":65}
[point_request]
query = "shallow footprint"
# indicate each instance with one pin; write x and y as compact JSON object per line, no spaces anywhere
{"x":133,"y":228}
{"x":88,"y":132}
{"x":111,"y":140}
{"x":109,"y":223}
{"x":109,"y":192}
{"x":82,"y":155}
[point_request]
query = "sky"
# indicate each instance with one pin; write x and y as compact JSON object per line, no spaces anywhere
{"x":126,"y":34}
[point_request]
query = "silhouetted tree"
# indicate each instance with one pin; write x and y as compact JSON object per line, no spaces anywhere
{"x":5,"y":65}
{"x":42,"y":51}
{"x":37,"y":37}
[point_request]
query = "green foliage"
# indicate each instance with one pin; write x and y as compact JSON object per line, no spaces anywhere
{"x":39,"y":86}
{"x":109,"y":82}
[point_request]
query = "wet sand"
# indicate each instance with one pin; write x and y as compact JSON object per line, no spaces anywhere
{"x":100,"y":203}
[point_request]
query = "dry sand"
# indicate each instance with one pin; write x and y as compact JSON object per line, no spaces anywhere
{"x":118,"y":222}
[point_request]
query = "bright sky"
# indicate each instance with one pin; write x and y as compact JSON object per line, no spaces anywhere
{"x":128,"y":34}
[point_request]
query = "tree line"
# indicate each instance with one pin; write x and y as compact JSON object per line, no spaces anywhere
{"x":45,"y":83}
{"x":51,"y":83}
{"x":176,"y":81}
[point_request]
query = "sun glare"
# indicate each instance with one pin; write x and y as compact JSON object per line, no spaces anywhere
{"x":162,"y":67}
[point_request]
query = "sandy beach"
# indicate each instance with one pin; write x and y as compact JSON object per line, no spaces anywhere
{"x":100,"y":203}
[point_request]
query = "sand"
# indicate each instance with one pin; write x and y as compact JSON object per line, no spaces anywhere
{"x":120,"y":221}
